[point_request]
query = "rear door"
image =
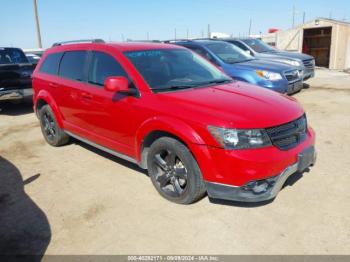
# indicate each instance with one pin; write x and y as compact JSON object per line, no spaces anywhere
{"x":73,"y":76}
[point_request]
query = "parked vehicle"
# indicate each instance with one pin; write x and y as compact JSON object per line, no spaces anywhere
{"x":15,"y":75}
{"x":241,"y":66}
{"x":261,"y":50}
{"x":172,"y":112}
{"x":33,"y":58}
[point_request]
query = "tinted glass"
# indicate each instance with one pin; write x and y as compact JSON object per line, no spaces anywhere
{"x":51,"y":63}
{"x":259,"y":46}
{"x":102,"y":66}
{"x":229,"y":53}
{"x":73,"y":65}
{"x":202,"y":52}
{"x":12,"y":56}
{"x":240,"y":45}
{"x":174,"y":68}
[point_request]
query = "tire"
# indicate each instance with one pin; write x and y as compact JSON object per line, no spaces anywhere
{"x":52,"y":133}
{"x":174,"y":172}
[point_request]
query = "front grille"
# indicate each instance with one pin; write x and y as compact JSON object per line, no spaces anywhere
{"x":292,"y":75}
{"x":288,"y":135}
{"x":309,"y":63}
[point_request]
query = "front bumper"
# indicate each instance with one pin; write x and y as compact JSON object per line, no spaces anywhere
{"x":308,"y":73}
{"x":265,"y":189}
{"x":295,"y":87}
{"x":283,"y":86}
{"x":16,"y":94}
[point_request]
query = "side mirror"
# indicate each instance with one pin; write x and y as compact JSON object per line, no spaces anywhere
{"x":248,"y":52}
{"x":117,"y":84}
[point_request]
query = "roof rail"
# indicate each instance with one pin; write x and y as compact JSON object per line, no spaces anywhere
{"x":177,"y":40}
{"x":79,"y":41}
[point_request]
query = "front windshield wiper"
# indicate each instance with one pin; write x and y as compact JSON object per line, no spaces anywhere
{"x":268,"y":51}
{"x":174,"y":87}
{"x":220,"y":81}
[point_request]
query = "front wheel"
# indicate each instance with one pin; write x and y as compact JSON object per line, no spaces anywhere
{"x":174,"y":171}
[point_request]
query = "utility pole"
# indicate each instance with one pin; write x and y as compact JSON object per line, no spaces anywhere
{"x":175,"y":33}
{"x":293,"y":23}
{"x":250,"y":27}
{"x":187,"y":33}
{"x":38,"y":34}
{"x":209,"y":31}
{"x":304,"y":14}
{"x":147,"y":36}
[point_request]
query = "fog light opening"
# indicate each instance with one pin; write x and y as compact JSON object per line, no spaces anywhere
{"x":259,"y":187}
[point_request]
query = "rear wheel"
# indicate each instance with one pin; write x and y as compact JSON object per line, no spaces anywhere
{"x":174,"y":171}
{"x":53,"y":134}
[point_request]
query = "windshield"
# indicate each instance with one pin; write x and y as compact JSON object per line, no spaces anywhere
{"x":175,"y":69}
{"x":259,"y":45}
{"x":229,"y":53}
{"x":12,"y":56}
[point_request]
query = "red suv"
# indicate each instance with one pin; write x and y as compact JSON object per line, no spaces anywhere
{"x":174,"y":113}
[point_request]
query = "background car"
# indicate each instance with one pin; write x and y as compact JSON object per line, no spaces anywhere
{"x":33,"y":58}
{"x":15,"y":75}
{"x":261,"y":50}
{"x":241,"y":66}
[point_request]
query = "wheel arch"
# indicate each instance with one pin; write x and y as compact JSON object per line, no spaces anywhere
{"x":44,"y":98}
{"x":155,"y":128}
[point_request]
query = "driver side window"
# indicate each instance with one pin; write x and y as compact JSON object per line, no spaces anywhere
{"x":102,"y":66}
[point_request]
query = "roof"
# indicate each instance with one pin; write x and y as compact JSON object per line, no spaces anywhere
{"x":122,"y":46}
{"x":331,"y":20}
{"x":135,"y":46}
{"x":198,"y":41}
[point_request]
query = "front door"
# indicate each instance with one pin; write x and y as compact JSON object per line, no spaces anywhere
{"x":108,"y":114}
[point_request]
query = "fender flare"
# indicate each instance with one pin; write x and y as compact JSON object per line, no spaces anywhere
{"x":47,"y":97}
{"x":173,"y":126}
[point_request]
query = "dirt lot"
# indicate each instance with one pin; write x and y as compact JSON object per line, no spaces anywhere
{"x":78,"y":200}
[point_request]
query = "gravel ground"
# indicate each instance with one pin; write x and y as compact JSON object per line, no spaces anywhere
{"x":78,"y":200}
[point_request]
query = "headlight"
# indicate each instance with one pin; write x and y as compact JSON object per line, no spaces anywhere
{"x":268,"y":75}
{"x":290,"y":62}
{"x":240,"y":138}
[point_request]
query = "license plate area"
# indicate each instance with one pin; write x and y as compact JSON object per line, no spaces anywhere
{"x":306,"y":158}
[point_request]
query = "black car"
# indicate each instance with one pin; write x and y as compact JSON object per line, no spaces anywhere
{"x":15,"y":75}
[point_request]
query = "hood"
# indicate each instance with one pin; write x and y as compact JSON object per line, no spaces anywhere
{"x":292,"y":55}
{"x":257,"y":64}
{"x":234,"y":105}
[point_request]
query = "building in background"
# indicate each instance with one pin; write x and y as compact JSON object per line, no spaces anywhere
{"x":327,"y":40}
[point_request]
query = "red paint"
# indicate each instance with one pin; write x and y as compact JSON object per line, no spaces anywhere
{"x":122,"y":124}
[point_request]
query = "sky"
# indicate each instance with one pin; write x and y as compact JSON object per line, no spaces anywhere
{"x":118,"y":20}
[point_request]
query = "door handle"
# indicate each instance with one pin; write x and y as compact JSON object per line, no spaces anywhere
{"x":86,"y":96}
{"x":53,"y":85}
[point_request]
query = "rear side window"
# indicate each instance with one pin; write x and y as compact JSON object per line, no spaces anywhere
{"x":73,"y":65}
{"x":51,"y":63}
{"x":102,"y":66}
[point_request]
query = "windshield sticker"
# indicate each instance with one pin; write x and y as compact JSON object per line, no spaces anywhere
{"x":144,"y":53}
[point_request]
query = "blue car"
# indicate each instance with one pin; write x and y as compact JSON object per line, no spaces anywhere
{"x":241,"y":66}
{"x":261,"y":50}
